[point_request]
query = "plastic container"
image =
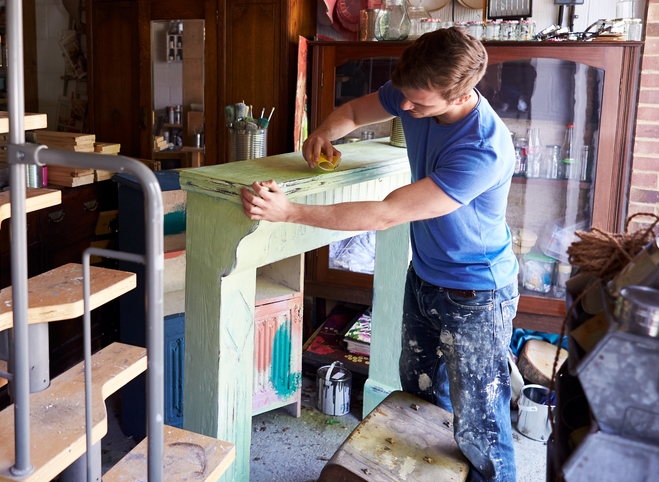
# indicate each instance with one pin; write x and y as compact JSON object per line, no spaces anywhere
{"x":556,"y":237}
{"x":538,"y":272}
{"x":563,"y":273}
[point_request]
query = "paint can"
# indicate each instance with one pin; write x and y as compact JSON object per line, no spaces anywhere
{"x":534,"y":413}
{"x":333,"y":391}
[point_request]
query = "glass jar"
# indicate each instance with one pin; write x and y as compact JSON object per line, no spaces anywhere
{"x":462,"y":25}
{"x":430,"y":25}
{"x":417,"y":15}
{"x":392,"y":22}
{"x":509,"y":30}
{"x":526,"y":29}
{"x":492,"y":30}
{"x":635,"y":30}
{"x":476,"y":29}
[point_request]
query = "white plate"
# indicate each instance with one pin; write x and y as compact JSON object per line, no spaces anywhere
{"x":474,"y":4}
{"x":430,"y":5}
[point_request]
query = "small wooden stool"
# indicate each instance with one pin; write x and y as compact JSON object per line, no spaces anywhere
{"x":403,"y":439}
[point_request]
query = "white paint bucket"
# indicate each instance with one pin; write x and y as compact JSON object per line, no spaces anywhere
{"x":333,"y":391}
{"x":534,"y":413}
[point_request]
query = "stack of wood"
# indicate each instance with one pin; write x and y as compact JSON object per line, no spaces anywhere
{"x":105,"y":148}
{"x":68,"y":141}
{"x":159,"y":143}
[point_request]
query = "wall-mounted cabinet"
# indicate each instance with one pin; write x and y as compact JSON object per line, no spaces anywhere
{"x":536,"y":88}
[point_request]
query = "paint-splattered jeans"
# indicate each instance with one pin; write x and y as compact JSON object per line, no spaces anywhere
{"x":454,"y":355}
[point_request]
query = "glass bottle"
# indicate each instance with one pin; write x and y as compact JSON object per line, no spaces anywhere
{"x":520,"y":156}
{"x":568,"y":156}
{"x":552,"y":161}
{"x":533,"y":152}
{"x":392,"y":22}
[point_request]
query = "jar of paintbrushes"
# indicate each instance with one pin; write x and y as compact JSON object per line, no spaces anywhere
{"x":248,"y":135}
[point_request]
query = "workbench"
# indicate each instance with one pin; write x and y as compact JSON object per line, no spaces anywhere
{"x":226,"y":252}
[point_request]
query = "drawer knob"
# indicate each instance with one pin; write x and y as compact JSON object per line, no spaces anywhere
{"x":91,"y":205}
{"x":57,"y":216}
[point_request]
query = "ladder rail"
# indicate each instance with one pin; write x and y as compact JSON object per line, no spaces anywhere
{"x":154,"y":261}
{"x":18,"y":222}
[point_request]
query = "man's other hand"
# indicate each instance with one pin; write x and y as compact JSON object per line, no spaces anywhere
{"x":267,"y":202}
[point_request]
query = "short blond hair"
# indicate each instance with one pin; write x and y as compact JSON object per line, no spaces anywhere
{"x":448,"y":61}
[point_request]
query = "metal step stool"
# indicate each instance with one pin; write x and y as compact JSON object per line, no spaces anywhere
{"x":403,"y":439}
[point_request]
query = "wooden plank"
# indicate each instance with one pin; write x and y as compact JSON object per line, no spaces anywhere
{"x":57,"y":414}
{"x":35,"y":199}
{"x":32,"y":121}
{"x":57,"y":294}
{"x":188,"y":456}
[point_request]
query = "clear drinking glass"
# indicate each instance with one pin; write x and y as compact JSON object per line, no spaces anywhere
{"x":533,"y":152}
{"x":552,"y":161}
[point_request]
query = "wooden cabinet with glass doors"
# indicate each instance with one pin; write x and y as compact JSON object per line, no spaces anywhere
{"x":538,"y":89}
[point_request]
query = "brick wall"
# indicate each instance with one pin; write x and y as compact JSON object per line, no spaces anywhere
{"x":644,"y":188}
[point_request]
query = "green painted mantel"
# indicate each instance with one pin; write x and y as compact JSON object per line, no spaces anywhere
{"x":226,"y":251}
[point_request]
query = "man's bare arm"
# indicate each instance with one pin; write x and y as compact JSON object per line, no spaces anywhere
{"x":356,"y":113}
{"x":420,"y":200}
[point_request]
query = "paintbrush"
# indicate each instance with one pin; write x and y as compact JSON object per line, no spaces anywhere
{"x":263,"y":122}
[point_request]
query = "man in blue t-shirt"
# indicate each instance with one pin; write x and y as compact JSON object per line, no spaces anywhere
{"x":461,"y":289}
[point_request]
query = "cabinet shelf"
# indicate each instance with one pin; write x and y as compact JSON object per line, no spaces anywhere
{"x":561,"y":183}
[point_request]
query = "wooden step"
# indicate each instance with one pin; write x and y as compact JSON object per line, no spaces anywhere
{"x":57,"y":414}
{"x":31,"y":122}
{"x":188,"y":456}
{"x":35,"y":199}
{"x":57,"y":294}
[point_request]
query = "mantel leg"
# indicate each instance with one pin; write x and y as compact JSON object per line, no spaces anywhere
{"x":391,"y":261}
{"x":219,"y":336}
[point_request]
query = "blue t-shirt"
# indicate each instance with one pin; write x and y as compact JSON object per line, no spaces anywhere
{"x":472,"y":161}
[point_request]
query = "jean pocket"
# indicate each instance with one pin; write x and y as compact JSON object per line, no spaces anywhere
{"x":508,"y":312}
{"x":481,"y":302}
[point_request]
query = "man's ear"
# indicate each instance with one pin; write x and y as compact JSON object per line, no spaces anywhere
{"x":462,"y":99}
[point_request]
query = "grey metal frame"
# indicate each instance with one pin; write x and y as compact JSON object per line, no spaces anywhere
{"x":20,"y":155}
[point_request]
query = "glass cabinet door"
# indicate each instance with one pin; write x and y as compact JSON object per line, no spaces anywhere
{"x":353,"y":79}
{"x":552,"y":108}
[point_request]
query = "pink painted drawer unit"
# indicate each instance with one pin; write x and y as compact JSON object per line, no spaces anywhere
{"x":277,"y":349}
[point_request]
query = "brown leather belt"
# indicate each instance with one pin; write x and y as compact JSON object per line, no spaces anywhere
{"x":461,"y":293}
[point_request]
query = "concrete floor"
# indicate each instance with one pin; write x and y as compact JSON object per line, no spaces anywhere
{"x":288,"y":449}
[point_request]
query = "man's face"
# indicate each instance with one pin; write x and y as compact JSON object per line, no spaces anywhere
{"x":424,"y":103}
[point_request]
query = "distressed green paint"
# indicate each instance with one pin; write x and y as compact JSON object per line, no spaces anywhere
{"x":285,"y":382}
{"x":223,"y":250}
{"x":391,"y":262}
{"x":175,"y":220}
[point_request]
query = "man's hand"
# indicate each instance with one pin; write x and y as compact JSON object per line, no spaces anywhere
{"x":269,"y":203}
{"x":314,"y":145}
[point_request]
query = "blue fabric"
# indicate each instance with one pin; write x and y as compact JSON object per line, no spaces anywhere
{"x":521,"y":336}
{"x":472,"y":161}
{"x":454,"y":354}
